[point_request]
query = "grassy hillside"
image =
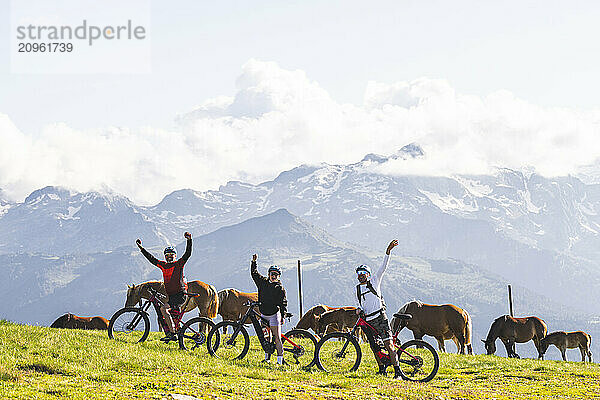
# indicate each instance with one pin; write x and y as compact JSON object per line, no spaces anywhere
{"x":38,"y":362}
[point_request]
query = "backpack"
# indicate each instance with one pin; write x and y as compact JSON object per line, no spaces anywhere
{"x":371,"y":289}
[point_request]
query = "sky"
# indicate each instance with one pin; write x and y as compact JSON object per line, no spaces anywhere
{"x":243,"y":90}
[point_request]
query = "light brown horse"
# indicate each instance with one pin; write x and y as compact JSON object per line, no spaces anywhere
{"x":341,"y":319}
{"x":232,"y":303}
{"x":443,"y":322}
{"x":515,"y":330}
{"x":70,"y":321}
{"x":207,"y":302}
{"x":569,"y":340}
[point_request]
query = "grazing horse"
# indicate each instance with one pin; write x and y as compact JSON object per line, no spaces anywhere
{"x":515,"y":330}
{"x":443,"y":322}
{"x":568,"y":340}
{"x":341,"y":318}
{"x":207,"y":300}
{"x":70,"y":321}
{"x":232,"y":303}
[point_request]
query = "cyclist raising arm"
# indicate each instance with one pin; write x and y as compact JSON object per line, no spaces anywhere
{"x":370,"y":302}
{"x":175,"y":284}
{"x":273,"y":303}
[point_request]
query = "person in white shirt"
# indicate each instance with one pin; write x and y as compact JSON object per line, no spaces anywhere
{"x":370,"y":303}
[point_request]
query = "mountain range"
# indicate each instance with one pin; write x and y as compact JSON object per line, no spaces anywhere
{"x":462,"y":239}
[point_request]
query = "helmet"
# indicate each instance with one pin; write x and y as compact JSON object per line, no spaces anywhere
{"x":274,"y":268}
{"x":363,"y":269}
{"x":170,"y":250}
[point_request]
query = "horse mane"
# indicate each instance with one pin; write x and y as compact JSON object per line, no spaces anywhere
{"x":405,"y":306}
{"x":222,"y":294}
{"x":499,"y":318}
{"x":493,"y":327}
{"x":137,"y":289}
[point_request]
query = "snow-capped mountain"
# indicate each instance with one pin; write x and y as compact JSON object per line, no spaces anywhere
{"x":57,"y":221}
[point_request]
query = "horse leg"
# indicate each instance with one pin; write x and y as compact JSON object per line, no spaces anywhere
{"x":538,"y":346}
{"x":460,"y":343}
{"x":583,"y":353}
{"x":507,"y":346}
{"x":441,"y":345}
{"x":514,"y":351}
{"x":563,"y":353}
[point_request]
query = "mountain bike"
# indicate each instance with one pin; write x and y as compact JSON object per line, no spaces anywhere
{"x":340,"y":352}
{"x":299,"y":343}
{"x":132,"y":324}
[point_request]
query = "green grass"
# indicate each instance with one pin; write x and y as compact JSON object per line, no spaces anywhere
{"x":38,"y":362}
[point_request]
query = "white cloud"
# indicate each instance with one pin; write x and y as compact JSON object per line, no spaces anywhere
{"x":278,"y":119}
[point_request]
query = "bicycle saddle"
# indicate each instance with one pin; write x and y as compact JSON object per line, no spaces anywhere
{"x":403,"y":316}
{"x":191,"y":294}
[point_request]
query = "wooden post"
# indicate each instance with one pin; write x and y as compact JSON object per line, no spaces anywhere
{"x":300,"y":289}
{"x":510,"y":302}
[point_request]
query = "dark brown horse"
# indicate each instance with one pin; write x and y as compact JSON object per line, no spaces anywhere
{"x":341,"y":319}
{"x":308,"y":320}
{"x":70,"y":321}
{"x":515,"y":330}
{"x":443,"y":322}
{"x":569,"y":340}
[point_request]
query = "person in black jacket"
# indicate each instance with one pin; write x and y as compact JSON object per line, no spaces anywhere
{"x":273,"y":303}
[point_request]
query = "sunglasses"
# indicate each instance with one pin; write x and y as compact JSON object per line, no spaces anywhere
{"x":273,"y":274}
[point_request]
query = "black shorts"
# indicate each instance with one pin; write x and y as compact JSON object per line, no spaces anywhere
{"x":382,"y":325}
{"x":177,"y":299}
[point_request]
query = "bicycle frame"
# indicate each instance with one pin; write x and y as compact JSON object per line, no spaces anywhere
{"x":157,"y":303}
{"x":381,"y":355}
{"x":256,"y":320}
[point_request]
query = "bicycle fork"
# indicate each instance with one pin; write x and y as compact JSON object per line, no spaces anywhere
{"x":131,"y":326}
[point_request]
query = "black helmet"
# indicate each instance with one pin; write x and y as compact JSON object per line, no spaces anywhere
{"x":274,"y":268}
{"x":170,"y":250}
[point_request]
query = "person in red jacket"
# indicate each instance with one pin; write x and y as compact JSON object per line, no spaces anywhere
{"x":175,"y":284}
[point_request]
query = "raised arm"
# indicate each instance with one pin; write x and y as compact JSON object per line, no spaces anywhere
{"x":188,"y":247}
{"x":148,"y":256}
{"x":256,"y":276}
{"x":386,"y":259}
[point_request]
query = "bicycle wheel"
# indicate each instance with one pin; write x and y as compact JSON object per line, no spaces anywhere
{"x":129,"y":325}
{"x":338,"y":352}
{"x":222,"y":344}
{"x":194,"y":332}
{"x":419,"y":361}
{"x":302,"y":347}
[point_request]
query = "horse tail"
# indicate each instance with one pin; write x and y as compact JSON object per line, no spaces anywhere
{"x":544,"y":329}
{"x":468,"y":333}
{"x":213,"y":306}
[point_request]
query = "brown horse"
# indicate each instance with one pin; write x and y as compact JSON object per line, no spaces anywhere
{"x":70,"y":321}
{"x":568,"y":340}
{"x":443,"y":322}
{"x":515,"y":330}
{"x":231,"y":303}
{"x":308,"y":320}
{"x":207,"y":302}
{"x":341,"y":319}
